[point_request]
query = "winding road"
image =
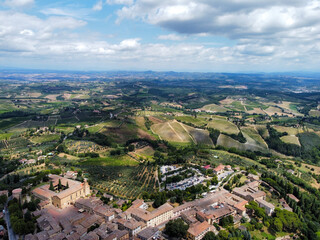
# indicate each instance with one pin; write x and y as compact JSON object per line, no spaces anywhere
{"x":11,"y":234}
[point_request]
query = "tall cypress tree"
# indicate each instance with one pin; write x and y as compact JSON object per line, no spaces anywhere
{"x":51,"y":186}
{"x":59,"y":185}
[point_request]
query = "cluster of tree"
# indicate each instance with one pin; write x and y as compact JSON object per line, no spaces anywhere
{"x":89,"y":154}
{"x":21,"y":223}
{"x":281,"y":220}
{"x":153,"y":143}
{"x":312,"y":155}
{"x":214,"y":180}
{"x":214,"y":135}
{"x":176,"y":229}
{"x":175,"y":155}
{"x":14,"y":178}
{"x":286,"y":221}
{"x":316,"y":177}
{"x":126,"y":205}
{"x":183,"y":175}
{"x":256,"y":211}
{"x":3,"y":201}
{"x":308,"y":208}
{"x":239,"y":137}
{"x":160,"y":199}
{"x":17,"y":113}
{"x":39,"y":177}
{"x":7,"y":166}
{"x":176,"y":195}
{"x":228,"y":234}
{"x":226,"y":221}
{"x":247,"y":154}
{"x":98,"y":138}
{"x":234,"y":182}
{"x":121,"y":151}
{"x":105,"y":200}
{"x":239,"y":122}
{"x":269,"y":162}
{"x":274,"y":142}
{"x":117,"y":151}
{"x":32,"y":205}
{"x":147,"y":123}
{"x":305,"y":108}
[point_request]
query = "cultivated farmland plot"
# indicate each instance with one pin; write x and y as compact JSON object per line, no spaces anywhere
{"x":223,"y":125}
{"x":125,"y":182}
{"x":83,"y":146}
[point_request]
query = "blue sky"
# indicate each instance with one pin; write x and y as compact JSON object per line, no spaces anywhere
{"x":167,"y":35}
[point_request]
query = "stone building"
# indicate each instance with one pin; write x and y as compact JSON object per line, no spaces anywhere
{"x":69,"y":192}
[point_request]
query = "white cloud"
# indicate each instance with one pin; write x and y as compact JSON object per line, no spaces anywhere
{"x":98,"y":6}
{"x":119,"y":2}
{"x":264,"y":31}
{"x":129,"y":44}
{"x":19,"y":3}
{"x":268,"y":34}
{"x":231,"y":18}
{"x":172,"y":37}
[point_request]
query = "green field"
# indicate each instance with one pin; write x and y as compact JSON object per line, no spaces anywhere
{"x":289,"y":130}
{"x":229,"y":142}
{"x":45,"y":138}
{"x":199,"y":121}
{"x":110,"y":161}
{"x":309,"y":140}
{"x":174,"y":131}
{"x":223,"y":125}
{"x":253,"y":137}
{"x":290,"y":139}
{"x":214,"y":108}
{"x":314,"y":113}
{"x":5,"y":136}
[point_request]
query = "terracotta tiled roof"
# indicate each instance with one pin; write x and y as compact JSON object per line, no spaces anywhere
{"x":198,"y":228}
{"x":219,"y":168}
{"x":146,"y":215}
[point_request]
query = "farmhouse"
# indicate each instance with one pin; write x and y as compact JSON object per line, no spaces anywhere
{"x":267,"y":206}
{"x":220,"y":169}
{"x":291,"y":196}
{"x":250,"y":191}
{"x":16,"y":193}
{"x":70,"y":191}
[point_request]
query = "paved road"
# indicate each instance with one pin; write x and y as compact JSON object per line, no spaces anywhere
{"x":11,"y":234}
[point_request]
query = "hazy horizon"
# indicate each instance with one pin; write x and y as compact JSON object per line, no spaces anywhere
{"x":181,"y":36}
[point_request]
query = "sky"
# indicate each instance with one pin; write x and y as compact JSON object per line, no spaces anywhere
{"x":161,"y":35}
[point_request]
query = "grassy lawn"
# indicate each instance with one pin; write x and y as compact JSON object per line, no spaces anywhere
{"x":264,"y":233}
{"x":223,"y":125}
{"x":238,"y":106}
{"x":196,"y":121}
{"x":4,"y":136}
{"x":290,"y":139}
{"x":110,"y":161}
{"x":45,"y":138}
{"x":65,"y":129}
{"x":214,"y":108}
